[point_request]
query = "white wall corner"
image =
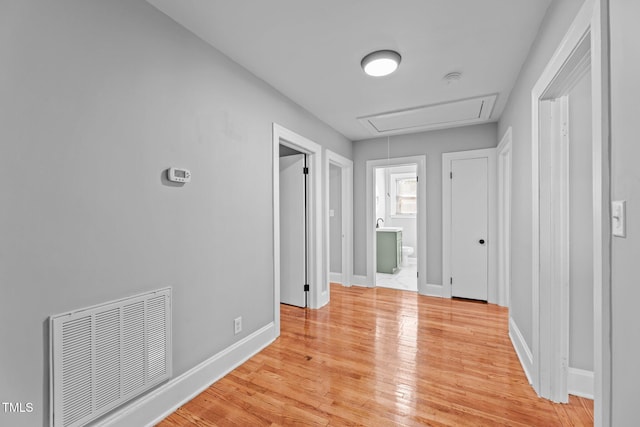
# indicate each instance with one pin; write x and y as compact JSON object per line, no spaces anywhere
{"x":158,"y":404}
{"x":522,"y":349}
{"x":580,"y":382}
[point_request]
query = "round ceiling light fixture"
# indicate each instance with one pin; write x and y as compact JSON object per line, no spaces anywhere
{"x":381,"y":62}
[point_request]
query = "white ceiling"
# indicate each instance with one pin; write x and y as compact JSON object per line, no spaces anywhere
{"x":311,"y":50}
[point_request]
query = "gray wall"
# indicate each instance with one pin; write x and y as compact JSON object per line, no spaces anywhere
{"x":335,"y":222}
{"x":433,"y":144}
{"x":625,"y":185}
{"x":97,"y":99}
{"x":517,"y":114}
{"x":581,"y":227}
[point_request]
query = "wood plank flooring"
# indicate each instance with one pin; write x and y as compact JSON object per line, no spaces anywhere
{"x":383,"y":357}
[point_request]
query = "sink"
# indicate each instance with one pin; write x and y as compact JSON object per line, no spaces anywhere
{"x":389,"y":229}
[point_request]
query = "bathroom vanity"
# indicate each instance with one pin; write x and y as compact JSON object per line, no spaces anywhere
{"x":388,"y":249}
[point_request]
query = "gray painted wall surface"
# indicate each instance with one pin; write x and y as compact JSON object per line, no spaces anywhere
{"x":97,"y":99}
{"x":581,"y":227}
{"x":517,"y":114}
{"x":625,"y":185}
{"x":433,"y":144}
{"x":335,"y":222}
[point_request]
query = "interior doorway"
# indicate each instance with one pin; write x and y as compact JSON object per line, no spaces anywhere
{"x":396,"y":200}
{"x":317,"y":297}
{"x":389,"y":233}
{"x":339,"y":219}
{"x":583,"y":48}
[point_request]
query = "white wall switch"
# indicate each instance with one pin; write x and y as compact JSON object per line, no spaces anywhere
{"x":619,"y":218}
{"x":332,"y":213}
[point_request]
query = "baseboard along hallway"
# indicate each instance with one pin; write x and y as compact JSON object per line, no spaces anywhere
{"x":383,"y":357}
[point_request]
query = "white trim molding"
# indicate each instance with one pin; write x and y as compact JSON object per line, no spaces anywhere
{"x":346,"y":168}
{"x":504,"y":153}
{"x":587,"y":37}
{"x":336,"y":278}
{"x":158,"y":404}
{"x":318,"y":294}
{"x":362,"y":281}
{"x":522,"y":349}
{"x":580,"y":382}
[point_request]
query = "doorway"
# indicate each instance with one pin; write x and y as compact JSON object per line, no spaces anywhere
{"x":339,"y":219}
{"x":317,"y":296}
{"x":585,"y":46}
{"x":416,"y":262}
{"x":396,"y":227}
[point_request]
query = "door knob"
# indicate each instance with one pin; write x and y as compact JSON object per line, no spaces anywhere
{"x":481,"y":241}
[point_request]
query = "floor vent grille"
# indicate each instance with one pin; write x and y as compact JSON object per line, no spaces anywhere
{"x":107,"y":354}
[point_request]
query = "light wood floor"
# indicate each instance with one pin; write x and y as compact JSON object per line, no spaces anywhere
{"x":383,"y":357}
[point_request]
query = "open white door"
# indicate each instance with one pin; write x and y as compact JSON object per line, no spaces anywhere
{"x":292,"y":230}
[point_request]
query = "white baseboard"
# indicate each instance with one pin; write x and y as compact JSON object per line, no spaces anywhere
{"x":335,"y":278}
{"x":522,"y":349}
{"x":153,"y":407}
{"x":434,"y":291}
{"x":361,"y":281}
{"x":580,"y":382}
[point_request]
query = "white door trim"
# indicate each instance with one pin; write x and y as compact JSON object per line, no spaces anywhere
{"x":346,"y":167}
{"x":504,"y":159}
{"x":447,"y":158}
{"x":421,"y":217}
{"x":284,"y":136}
{"x":589,"y":26}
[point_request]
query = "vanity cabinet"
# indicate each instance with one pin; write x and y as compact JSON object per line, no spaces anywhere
{"x":388,"y":250}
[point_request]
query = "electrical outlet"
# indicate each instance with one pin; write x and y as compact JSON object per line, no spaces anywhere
{"x":237,"y":325}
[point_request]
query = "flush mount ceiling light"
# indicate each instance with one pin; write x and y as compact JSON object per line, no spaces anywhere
{"x":381,"y":63}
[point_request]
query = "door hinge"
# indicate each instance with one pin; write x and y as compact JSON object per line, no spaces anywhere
{"x":450,"y":175}
{"x":451,"y":280}
{"x":416,"y":179}
{"x":305,"y":170}
{"x":417,"y":274}
{"x":306,"y":288}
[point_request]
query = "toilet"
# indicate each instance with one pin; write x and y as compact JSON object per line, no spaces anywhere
{"x":406,"y":251}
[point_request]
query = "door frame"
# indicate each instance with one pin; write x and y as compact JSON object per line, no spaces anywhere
{"x":346,"y":168}
{"x":492,"y":246}
{"x":421,"y":216}
{"x":504,"y":153}
{"x":286,"y":137}
{"x":588,"y":32}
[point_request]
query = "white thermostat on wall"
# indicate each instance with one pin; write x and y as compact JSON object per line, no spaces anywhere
{"x":178,"y":175}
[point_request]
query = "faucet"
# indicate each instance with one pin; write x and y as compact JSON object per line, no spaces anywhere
{"x":378,"y":222}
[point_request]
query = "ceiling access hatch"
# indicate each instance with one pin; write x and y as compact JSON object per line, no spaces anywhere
{"x":437,"y":116}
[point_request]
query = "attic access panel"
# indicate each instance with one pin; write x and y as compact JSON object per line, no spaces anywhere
{"x":436,"y":116}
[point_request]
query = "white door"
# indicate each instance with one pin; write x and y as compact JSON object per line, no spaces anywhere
{"x":469,"y":216}
{"x":292,"y":230}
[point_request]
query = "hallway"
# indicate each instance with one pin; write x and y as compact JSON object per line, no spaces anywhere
{"x":383,"y":357}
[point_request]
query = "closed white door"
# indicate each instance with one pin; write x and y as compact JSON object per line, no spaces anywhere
{"x":469,"y":225}
{"x":292,"y":230}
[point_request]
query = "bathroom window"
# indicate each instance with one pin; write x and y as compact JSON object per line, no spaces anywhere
{"x":404,"y":194}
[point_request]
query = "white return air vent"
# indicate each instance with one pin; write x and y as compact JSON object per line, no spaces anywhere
{"x":437,"y":116}
{"x":104,"y":355}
